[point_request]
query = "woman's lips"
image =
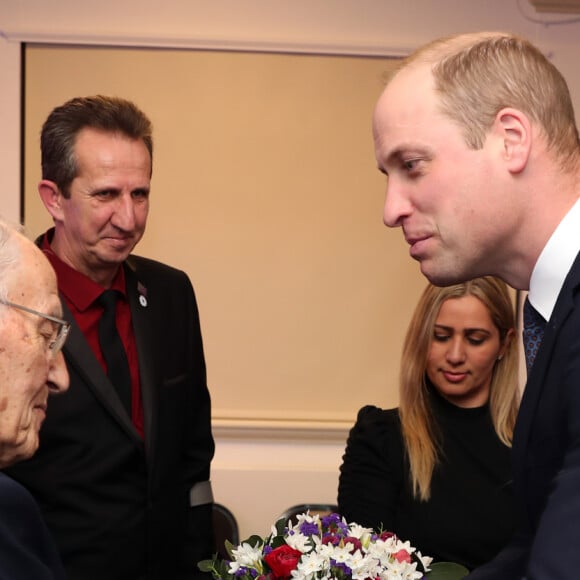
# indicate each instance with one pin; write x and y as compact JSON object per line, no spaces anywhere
{"x":454,"y":377}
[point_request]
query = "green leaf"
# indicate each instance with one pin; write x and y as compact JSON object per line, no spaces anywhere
{"x":206,"y":565}
{"x":254,"y":541}
{"x":281,"y":526}
{"x":447,"y":571}
{"x":229,"y":547}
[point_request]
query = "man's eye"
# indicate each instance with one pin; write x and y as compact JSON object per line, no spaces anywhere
{"x":140,"y":194}
{"x":48,"y":338}
{"x":105,"y":194}
{"x":411,"y":165}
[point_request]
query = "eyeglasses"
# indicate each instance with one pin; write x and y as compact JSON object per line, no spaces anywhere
{"x":63,"y":326}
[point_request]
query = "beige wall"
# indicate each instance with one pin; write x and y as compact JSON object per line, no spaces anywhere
{"x":265,"y":192}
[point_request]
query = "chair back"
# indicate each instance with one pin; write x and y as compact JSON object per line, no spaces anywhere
{"x":225,"y":527}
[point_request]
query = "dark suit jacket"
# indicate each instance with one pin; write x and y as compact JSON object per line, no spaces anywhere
{"x":118,"y":506}
{"x":546,"y":454}
{"x":26,"y":549}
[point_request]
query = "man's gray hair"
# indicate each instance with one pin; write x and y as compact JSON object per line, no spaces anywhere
{"x":9,"y":253}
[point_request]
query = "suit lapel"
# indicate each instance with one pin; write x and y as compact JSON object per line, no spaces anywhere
{"x":536,"y":379}
{"x":79,"y":355}
{"x":139,"y":302}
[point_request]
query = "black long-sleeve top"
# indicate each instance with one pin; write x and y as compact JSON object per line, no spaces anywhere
{"x":470,"y":515}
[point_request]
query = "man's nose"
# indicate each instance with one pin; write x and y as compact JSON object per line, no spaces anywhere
{"x":397,"y":206}
{"x":124,"y":215}
{"x":58,"y":377}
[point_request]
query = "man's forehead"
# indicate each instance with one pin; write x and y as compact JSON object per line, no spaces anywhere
{"x":415,"y":80}
{"x":34,"y":271}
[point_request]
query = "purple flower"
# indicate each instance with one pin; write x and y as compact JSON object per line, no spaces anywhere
{"x":331,"y":519}
{"x":309,"y":529}
{"x":341,"y":566}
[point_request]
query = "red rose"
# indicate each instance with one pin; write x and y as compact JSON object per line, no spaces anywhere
{"x":331,"y":539}
{"x":403,"y":556}
{"x":283,"y":560}
{"x":355,"y":542}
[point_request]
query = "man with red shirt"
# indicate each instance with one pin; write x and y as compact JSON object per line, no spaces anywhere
{"x":122,"y":474}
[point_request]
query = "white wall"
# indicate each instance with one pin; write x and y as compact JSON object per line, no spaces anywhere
{"x":259,"y":470}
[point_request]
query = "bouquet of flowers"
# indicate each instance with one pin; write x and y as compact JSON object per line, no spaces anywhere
{"x":323,"y":548}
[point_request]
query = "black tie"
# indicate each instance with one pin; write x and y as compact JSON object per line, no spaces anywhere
{"x":533,"y":333}
{"x":112,"y":348}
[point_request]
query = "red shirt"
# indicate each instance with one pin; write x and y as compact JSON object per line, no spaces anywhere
{"x":80,"y":293}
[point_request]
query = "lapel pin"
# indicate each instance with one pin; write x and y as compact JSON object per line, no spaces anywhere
{"x":142,"y":294}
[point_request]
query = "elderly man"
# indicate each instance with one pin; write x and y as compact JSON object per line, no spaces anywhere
{"x":477,"y":137}
{"x":122,"y":474}
{"x":32,"y":333}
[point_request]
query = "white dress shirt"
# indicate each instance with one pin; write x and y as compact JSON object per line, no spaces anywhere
{"x":555,"y":262}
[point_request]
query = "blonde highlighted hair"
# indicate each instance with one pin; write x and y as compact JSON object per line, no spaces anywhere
{"x":418,"y":427}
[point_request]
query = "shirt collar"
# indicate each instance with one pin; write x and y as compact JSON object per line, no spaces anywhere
{"x":77,"y":288}
{"x":555,"y":262}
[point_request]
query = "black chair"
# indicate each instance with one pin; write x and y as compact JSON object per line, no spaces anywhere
{"x":225,"y":527}
{"x":322,"y":509}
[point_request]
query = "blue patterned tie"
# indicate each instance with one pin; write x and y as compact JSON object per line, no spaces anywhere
{"x":533,"y":332}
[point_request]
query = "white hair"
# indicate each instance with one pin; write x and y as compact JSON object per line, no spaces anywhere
{"x":10,"y":251}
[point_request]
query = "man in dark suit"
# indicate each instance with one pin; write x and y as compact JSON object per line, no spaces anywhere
{"x":122,"y":474}
{"x":477,"y":136}
{"x":32,"y":367}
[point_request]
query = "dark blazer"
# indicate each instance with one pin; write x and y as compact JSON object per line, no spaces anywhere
{"x":26,"y":549}
{"x":118,"y":506}
{"x":546,"y":454}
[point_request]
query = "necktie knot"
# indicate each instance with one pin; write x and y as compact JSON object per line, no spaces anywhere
{"x":108,"y":300}
{"x":534,"y":325}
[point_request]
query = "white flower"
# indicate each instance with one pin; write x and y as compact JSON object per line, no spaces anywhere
{"x":404,"y":546}
{"x":309,"y":566}
{"x":322,"y":559}
{"x":299,"y":542}
{"x":359,"y":532}
{"x":246,"y":555}
{"x":363,"y":566}
{"x":425,"y":560}
{"x":315,"y":519}
{"x":401,"y":571}
{"x":340,"y":554}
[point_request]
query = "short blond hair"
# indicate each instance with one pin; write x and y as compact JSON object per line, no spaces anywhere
{"x":477,"y":75}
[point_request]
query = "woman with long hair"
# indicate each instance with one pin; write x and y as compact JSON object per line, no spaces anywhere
{"x":436,"y":471}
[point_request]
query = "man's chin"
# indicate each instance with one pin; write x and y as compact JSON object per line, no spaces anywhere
{"x":441,"y":275}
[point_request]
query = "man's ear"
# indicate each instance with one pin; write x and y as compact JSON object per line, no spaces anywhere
{"x":515,"y":132}
{"x":51,"y":197}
